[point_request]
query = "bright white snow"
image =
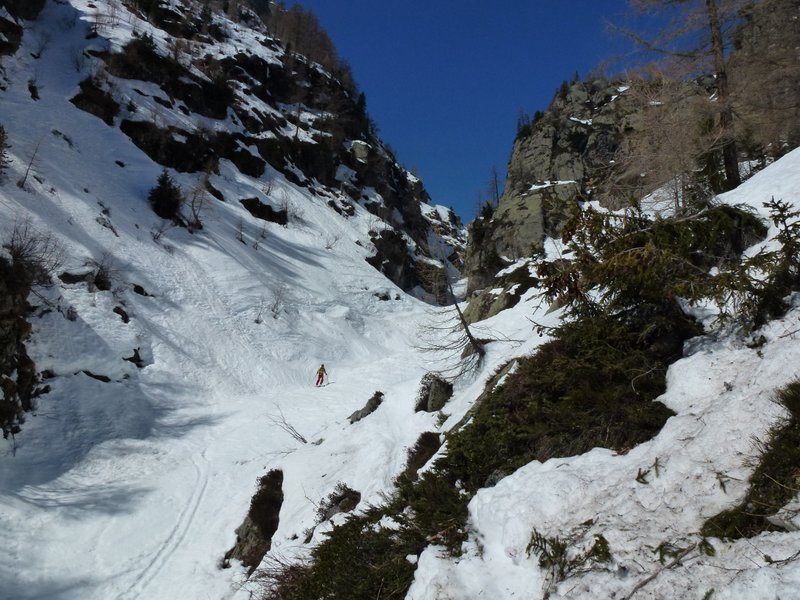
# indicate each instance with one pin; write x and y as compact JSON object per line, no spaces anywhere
{"x":133,"y":488}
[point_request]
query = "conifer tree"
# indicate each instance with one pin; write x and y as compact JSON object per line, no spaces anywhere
{"x":166,"y":198}
{"x":694,"y":42}
{"x":3,"y":150}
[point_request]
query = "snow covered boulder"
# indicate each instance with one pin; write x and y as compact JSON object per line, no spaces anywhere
{"x":370,"y":407}
{"x":434,"y":392}
{"x":254,"y":535}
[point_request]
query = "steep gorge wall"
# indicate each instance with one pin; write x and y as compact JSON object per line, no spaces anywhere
{"x":10,"y":28}
{"x":556,"y":161}
{"x":17,"y":370}
{"x":274,"y":108}
{"x":568,"y":153}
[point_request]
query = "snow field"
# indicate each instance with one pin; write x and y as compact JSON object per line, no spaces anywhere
{"x":133,"y":488}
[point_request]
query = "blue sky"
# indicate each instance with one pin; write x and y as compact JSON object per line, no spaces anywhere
{"x":445,"y":80}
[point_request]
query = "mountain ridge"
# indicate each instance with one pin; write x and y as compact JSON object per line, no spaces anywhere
{"x":180,"y":360}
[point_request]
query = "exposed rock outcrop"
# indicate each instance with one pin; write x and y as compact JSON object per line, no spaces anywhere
{"x":254,"y":535}
{"x":17,"y":370}
{"x":264,"y":211}
{"x":10,"y":26}
{"x":504,"y":292}
{"x":370,"y":407}
{"x":557,"y":160}
{"x":93,"y":99}
{"x":393,"y":259}
{"x":24,"y":9}
{"x":273,"y":109}
{"x":342,"y":499}
{"x":434,"y":392}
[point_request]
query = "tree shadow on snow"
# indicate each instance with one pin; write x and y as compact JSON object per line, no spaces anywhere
{"x":43,"y":587}
{"x":78,"y":501}
{"x":253,"y":251}
{"x":113,"y":421}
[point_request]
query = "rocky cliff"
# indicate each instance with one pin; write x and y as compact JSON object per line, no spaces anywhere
{"x":195,"y":88}
{"x":579,"y":148}
{"x":212,"y":94}
{"x":557,"y":160}
{"x":17,"y":371}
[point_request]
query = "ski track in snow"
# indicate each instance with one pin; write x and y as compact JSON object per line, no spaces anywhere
{"x":132,"y":489}
{"x":176,"y":537}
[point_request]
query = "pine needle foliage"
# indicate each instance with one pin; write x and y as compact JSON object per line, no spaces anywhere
{"x":624,"y":263}
{"x":763,"y":297}
{"x":594,"y":385}
{"x":427,"y":444}
{"x":166,"y":198}
{"x":565,"y":556}
{"x":360,"y":560}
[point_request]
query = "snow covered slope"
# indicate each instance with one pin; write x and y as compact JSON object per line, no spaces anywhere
{"x":130,"y":480}
{"x":132,"y":476}
{"x":723,"y":392}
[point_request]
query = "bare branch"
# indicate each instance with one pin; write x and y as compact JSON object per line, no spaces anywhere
{"x":675,"y":562}
{"x":281,"y":423}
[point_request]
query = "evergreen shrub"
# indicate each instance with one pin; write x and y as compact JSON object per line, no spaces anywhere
{"x":360,"y":560}
{"x":593,"y":385}
{"x":624,"y":265}
{"x":166,"y":198}
{"x":427,"y":444}
{"x":773,"y":482}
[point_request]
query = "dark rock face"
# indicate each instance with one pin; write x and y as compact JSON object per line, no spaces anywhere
{"x":370,"y":407}
{"x":254,"y":535}
{"x":264,"y":211}
{"x":392,"y":258}
{"x":306,"y":124}
{"x":433,"y":394}
{"x":94,"y":100}
{"x":17,"y":370}
{"x":506,"y":291}
{"x":11,"y":31}
{"x":171,"y":147}
{"x":11,"y":36}
{"x":24,"y":9}
{"x":342,"y":499}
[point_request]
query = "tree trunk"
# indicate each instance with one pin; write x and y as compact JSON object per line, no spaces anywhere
{"x":729,"y":153}
{"x":476,"y":345}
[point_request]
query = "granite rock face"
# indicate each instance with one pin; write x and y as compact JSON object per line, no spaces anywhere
{"x":562,"y":157}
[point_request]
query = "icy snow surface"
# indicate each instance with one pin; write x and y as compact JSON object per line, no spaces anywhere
{"x":133,"y":488}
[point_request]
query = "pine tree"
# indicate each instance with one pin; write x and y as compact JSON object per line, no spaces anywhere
{"x":3,"y":150}
{"x":697,"y":39}
{"x":166,"y":198}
